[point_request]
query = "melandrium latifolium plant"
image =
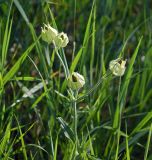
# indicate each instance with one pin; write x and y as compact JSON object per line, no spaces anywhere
{"x":76,"y":81}
{"x":78,"y":87}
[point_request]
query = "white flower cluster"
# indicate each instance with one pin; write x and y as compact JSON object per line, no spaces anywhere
{"x":49,"y":35}
{"x":75,"y":80}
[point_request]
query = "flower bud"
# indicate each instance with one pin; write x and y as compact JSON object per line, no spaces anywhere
{"x":76,"y":81}
{"x":61,"y":40}
{"x":117,"y":67}
{"x":49,"y":33}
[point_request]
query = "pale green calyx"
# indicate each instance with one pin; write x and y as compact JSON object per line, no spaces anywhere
{"x":117,"y":67}
{"x":48,"y":33}
{"x":61,"y":40}
{"x":76,"y":81}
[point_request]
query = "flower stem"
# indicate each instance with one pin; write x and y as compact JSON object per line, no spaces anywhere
{"x":65,"y":70}
{"x":75,"y":121}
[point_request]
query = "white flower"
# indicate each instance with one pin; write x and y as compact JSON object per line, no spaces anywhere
{"x":76,"y":81}
{"x":61,"y":40}
{"x":117,"y":67}
{"x":48,"y":33}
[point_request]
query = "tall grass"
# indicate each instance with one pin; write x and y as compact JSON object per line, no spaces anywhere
{"x":110,"y":118}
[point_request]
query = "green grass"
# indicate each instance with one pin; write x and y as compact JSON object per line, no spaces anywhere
{"x":40,"y":117}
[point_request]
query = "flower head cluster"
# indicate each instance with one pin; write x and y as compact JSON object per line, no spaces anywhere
{"x":117,"y":67}
{"x":50,"y":34}
{"x":76,"y":81}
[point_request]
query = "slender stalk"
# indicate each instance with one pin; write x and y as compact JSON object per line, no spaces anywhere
{"x":148,"y":143}
{"x":95,"y":85}
{"x":75,"y":121}
{"x":119,"y":120}
{"x":65,"y":62}
{"x":56,"y":50}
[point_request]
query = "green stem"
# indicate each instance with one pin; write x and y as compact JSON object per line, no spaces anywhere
{"x":119,"y":120}
{"x":56,"y":50}
{"x":65,"y":62}
{"x":75,"y":120}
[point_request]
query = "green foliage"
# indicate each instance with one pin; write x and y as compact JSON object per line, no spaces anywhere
{"x":40,"y":117}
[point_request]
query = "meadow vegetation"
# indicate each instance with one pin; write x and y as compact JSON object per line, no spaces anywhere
{"x":105,"y":115}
